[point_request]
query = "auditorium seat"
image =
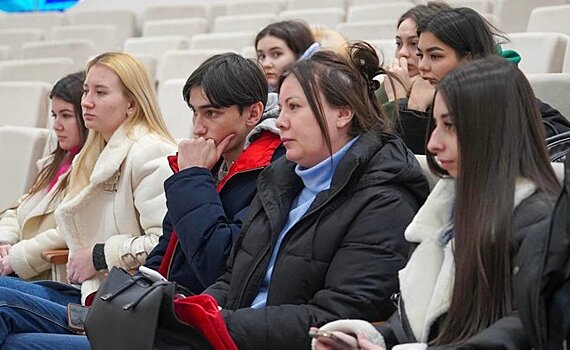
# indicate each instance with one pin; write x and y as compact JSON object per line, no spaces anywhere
{"x":540,"y":52}
{"x":20,"y":149}
{"x":79,"y":50}
{"x":367,"y":30}
{"x":380,"y":12}
{"x":24,"y":103}
{"x":550,"y":19}
{"x":184,"y":26}
{"x":175,"y":111}
{"x":48,"y":69}
{"x":243,"y":23}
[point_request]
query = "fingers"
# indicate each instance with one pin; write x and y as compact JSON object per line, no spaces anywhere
{"x":221,"y":147}
{"x":5,"y":250}
{"x":404,"y":65}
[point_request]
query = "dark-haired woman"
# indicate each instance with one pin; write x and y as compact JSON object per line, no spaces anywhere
{"x":20,"y":251}
{"x":279,"y":45}
{"x":447,"y":39}
{"x":477,"y":227}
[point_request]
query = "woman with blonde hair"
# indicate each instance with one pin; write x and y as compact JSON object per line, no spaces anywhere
{"x":113,"y":212}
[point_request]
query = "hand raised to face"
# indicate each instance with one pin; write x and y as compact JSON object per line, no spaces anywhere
{"x":201,"y":152}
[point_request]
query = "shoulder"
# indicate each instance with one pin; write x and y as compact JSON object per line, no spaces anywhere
{"x":532,"y":218}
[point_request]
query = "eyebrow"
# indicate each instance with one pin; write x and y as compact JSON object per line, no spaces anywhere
{"x":63,"y":110}
{"x":291,"y":97}
{"x":433,"y":48}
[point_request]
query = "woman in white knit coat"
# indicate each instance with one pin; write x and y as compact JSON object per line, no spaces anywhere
{"x":113,"y":212}
{"x":28,"y":227}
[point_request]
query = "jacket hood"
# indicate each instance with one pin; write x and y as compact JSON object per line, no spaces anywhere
{"x":392,"y":164}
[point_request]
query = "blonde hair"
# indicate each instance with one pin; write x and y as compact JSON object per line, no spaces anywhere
{"x":330,"y":39}
{"x":137,"y":86}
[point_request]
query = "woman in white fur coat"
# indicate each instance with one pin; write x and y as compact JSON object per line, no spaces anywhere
{"x":460,"y":288}
{"x":113,"y":212}
{"x":20,"y":246}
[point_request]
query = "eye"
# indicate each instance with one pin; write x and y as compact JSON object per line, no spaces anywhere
{"x":435,"y":57}
{"x":100,"y":93}
{"x":276,"y":54}
{"x":420,"y":55}
{"x":53,"y":115}
{"x":293,"y":106}
{"x":398,"y":44}
{"x":67,"y":116}
{"x":260,"y":57}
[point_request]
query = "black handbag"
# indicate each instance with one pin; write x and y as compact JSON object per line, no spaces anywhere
{"x":133,"y":312}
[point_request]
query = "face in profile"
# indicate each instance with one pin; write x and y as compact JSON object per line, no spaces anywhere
{"x":104,"y":101}
{"x":443,"y":139}
{"x":65,"y":124}
{"x":217,"y":123}
{"x":407,"y":45}
{"x":436,"y":59}
{"x":299,"y":129}
{"x":274,"y":56}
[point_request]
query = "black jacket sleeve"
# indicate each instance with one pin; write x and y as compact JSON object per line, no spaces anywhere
{"x":554,"y":122}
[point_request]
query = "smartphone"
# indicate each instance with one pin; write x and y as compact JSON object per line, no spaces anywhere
{"x":315,"y":333}
{"x":76,"y":315}
{"x":151,"y":274}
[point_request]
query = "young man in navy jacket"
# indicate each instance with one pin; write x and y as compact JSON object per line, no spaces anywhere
{"x":215,"y":173}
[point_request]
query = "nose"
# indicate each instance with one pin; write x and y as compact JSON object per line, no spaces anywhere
{"x":281,"y":122}
{"x":435,"y":145}
{"x":86,"y":101}
{"x":402,"y":52}
{"x":423,"y":65}
{"x":57,"y":125}
{"x":267,"y":62}
{"x":199,"y":128}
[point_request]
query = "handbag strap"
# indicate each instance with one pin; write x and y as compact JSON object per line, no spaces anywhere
{"x":130,"y":282}
{"x":132,"y":305}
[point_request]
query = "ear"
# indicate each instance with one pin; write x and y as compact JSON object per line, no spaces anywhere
{"x":253,"y":114}
{"x":344,"y":117}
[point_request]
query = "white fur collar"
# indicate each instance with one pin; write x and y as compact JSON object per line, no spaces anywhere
{"x":426,"y":283}
{"x":115,"y":152}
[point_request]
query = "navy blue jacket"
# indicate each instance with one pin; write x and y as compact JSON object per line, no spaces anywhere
{"x":207,"y":222}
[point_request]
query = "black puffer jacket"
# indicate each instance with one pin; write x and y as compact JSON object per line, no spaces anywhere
{"x":340,"y":260}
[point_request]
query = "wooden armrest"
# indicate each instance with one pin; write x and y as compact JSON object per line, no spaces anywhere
{"x":56,"y":256}
{"x":378,"y":323}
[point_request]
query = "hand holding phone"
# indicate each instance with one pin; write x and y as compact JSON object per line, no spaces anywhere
{"x":336,"y":342}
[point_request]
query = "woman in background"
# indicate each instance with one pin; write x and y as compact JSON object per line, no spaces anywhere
{"x":279,"y":45}
{"x":20,"y":252}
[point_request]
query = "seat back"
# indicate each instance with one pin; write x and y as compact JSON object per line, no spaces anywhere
{"x":175,"y":111}
{"x":49,"y":69}
{"x":553,"y":89}
{"x":20,"y":149}
{"x":79,"y":50}
{"x":540,"y":52}
{"x":24,"y":103}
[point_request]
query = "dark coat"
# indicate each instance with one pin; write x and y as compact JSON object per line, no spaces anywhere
{"x":412,"y":124}
{"x":340,"y":260}
{"x":207,"y":222}
{"x":532,"y":224}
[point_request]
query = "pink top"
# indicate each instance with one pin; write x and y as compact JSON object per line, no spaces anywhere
{"x":64,"y":166}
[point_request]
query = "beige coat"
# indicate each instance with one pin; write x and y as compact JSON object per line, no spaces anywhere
{"x":30,"y":227}
{"x":124,"y":204}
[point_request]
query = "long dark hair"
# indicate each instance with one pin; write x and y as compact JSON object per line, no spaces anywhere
{"x":464,"y":30}
{"x":500,"y":137}
{"x":295,"y":33}
{"x":344,"y":80}
{"x":69,"y":89}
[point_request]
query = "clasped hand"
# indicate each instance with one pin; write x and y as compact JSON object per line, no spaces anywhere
{"x":201,"y":152}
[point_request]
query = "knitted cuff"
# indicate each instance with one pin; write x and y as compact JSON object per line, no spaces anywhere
{"x":99,"y":261}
